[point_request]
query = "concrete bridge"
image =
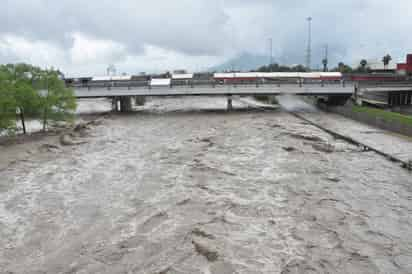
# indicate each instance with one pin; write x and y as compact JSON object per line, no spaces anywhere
{"x":385,"y":94}
{"x":122,"y":96}
{"x":333,"y":93}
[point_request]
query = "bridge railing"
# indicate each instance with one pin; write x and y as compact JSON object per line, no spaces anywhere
{"x":212,"y":84}
{"x":108,"y":85}
{"x":366,"y":84}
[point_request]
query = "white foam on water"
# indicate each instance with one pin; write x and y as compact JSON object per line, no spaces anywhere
{"x":294,"y":103}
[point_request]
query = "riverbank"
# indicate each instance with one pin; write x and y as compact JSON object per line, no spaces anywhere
{"x":86,"y":108}
{"x":37,"y":144}
{"x":395,"y":147}
{"x":380,"y":118}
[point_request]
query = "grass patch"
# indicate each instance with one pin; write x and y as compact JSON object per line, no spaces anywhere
{"x":386,"y":115}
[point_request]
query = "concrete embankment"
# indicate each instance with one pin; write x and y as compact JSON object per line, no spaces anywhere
{"x":388,"y":124}
{"x":393,"y":146}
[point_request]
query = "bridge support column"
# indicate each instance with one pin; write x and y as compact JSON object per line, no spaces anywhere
{"x":140,"y":100}
{"x":337,"y":100}
{"x":229,"y":103}
{"x":126,"y":104}
{"x":115,"y":104}
{"x":390,"y":99}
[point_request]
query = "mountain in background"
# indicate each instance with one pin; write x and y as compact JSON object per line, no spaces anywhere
{"x":242,"y":62}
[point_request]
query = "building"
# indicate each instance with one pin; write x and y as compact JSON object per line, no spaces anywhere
{"x":377,"y":66}
{"x":406,"y":68}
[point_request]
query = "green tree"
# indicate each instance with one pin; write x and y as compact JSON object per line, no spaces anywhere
{"x":325,"y":64}
{"x":27,"y":102}
{"x":32,"y":92}
{"x":386,"y":60}
{"x":363,"y":64}
{"x":7,"y":109}
{"x":299,"y":68}
{"x":343,"y":68}
{"x":277,"y":68}
{"x":57,"y":102}
{"x":25,"y":96}
{"x":7,"y":102}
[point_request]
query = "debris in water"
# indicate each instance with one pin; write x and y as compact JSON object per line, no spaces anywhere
{"x":201,"y":233}
{"x":205,"y":251}
{"x":299,"y":266}
{"x":276,"y":126}
{"x":81,"y":127}
{"x":66,"y":140}
{"x":333,"y":179}
{"x":207,"y":140}
{"x":185,"y":201}
{"x":289,"y":149}
{"x":49,"y":148}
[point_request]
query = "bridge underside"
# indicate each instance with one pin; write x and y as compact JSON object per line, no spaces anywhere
{"x":221,"y":91}
{"x":396,"y":98}
{"x":123,"y":98}
{"x":401,"y":98}
{"x":126,"y":103}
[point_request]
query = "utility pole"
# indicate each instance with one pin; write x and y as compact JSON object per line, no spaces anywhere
{"x":325,"y":60}
{"x":309,"y":48}
{"x":234,"y":48}
{"x":270,"y":53}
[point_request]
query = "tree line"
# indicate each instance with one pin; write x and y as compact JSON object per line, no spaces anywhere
{"x":29,"y":92}
{"x":341,"y":67}
{"x":282,"y":68}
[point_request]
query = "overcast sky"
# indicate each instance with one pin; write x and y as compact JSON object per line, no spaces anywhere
{"x":83,"y":37}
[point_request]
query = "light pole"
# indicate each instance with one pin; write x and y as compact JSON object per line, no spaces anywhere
{"x":270,"y":54}
{"x":234,"y":48}
{"x":325,"y":60}
{"x":309,"y":48}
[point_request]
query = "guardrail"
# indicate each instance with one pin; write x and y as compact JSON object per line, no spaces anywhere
{"x":209,"y":84}
{"x":385,"y":84}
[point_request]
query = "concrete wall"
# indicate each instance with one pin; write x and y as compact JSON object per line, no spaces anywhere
{"x":369,"y":119}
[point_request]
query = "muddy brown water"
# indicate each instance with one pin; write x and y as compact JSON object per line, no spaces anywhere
{"x":173,"y":190}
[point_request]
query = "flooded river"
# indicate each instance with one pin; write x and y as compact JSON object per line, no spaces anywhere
{"x":182,"y":186}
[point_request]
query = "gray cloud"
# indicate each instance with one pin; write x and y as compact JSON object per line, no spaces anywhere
{"x":95,"y":32}
{"x":352,"y":28}
{"x":187,"y":26}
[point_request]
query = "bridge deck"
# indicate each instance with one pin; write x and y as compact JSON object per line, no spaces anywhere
{"x":313,"y":90}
